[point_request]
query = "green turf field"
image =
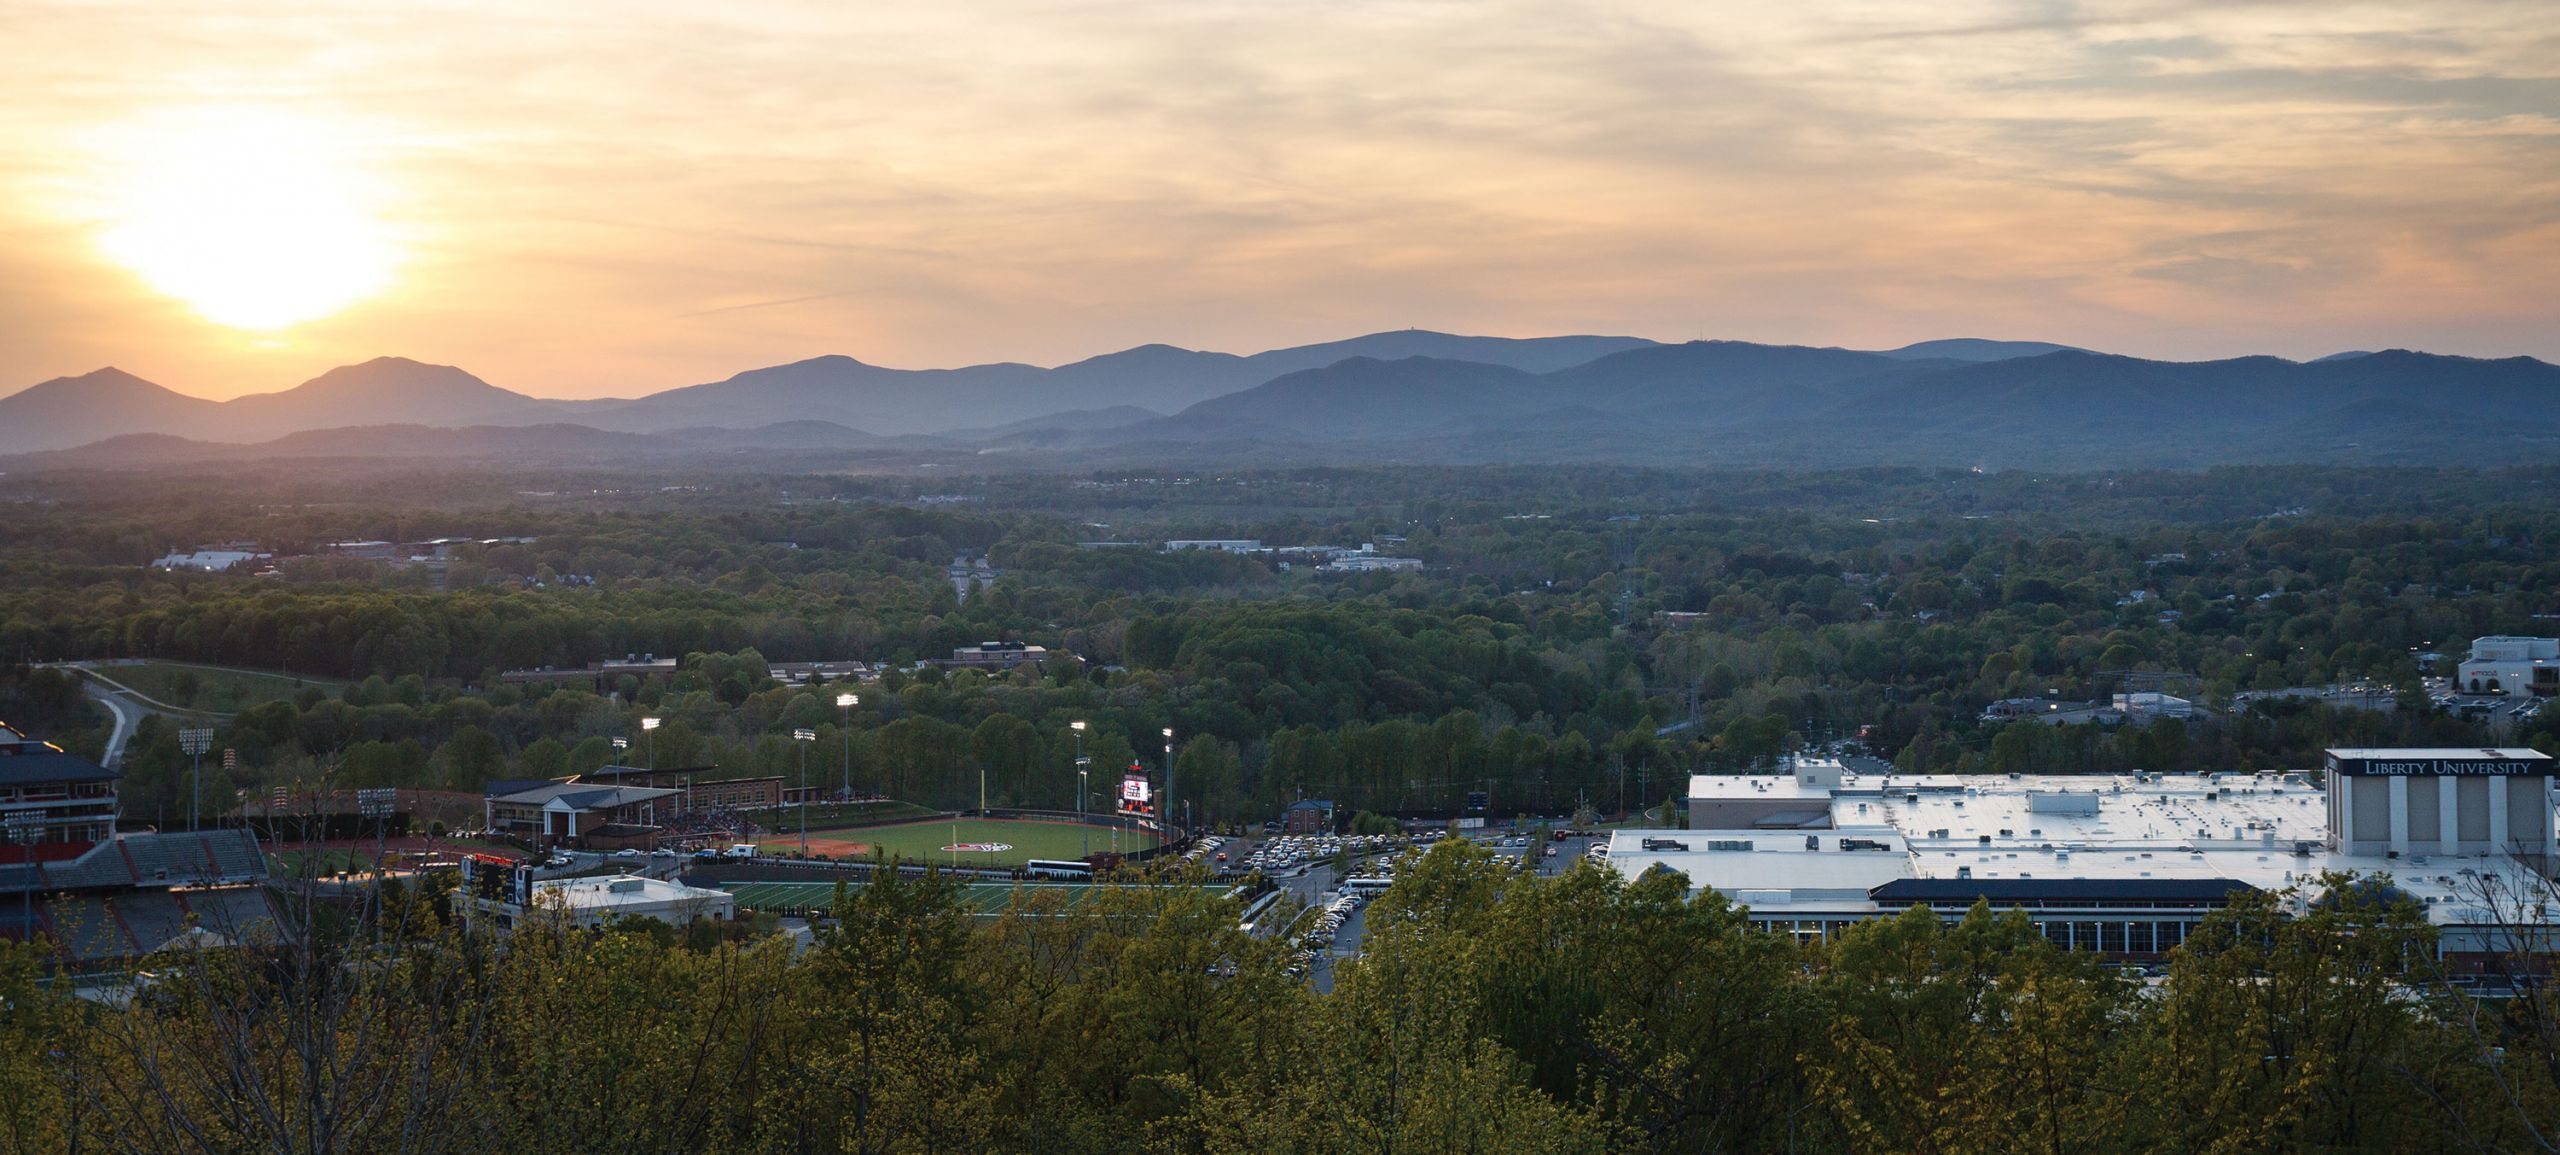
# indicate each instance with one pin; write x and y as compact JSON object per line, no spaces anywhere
{"x":924,"y":841}
{"x":220,"y":689}
{"x":985,"y":898}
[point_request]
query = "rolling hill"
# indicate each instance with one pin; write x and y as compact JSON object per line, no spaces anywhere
{"x":1160,"y":378}
{"x":1572,"y":399}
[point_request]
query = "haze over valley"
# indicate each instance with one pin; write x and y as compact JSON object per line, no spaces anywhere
{"x":1408,"y":395}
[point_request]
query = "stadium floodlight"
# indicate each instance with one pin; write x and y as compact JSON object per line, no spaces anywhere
{"x":1078,"y":727}
{"x":195,"y":742}
{"x":649,"y":723}
{"x":649,"y":726}
{"x":802,"y":738}
{"x":25,"y":828}
{"x":846,"y":703}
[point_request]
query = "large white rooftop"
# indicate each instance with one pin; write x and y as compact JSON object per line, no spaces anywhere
{"x":620,"y":893}
{"x":2267,"y":830}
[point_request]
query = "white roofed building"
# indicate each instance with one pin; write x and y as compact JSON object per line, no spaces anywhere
{"x":2125,"y":864}
{"x":2501,"y":664}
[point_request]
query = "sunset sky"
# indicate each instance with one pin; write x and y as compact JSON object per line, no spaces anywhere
{"x":582,"y":199}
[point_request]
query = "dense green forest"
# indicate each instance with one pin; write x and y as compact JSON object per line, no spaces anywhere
{"x":1581,"y":635}
{"x":1492,"y":1011}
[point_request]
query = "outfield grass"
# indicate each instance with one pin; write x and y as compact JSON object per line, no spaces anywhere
{"x":924,"y":841}
{"x":220,"y":689}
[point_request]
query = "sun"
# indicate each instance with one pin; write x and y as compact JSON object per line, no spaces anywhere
{"x":255,"y":219}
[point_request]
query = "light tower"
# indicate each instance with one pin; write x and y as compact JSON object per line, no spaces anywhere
{"x":1082,"y":831}
{"x":846,"y":703}
{"x":802,"y":739}
{"x":1164,"y":809}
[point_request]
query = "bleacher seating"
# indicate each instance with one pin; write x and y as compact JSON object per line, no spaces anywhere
{"x":238,"y":913}
{"x":153,"y":917}
{"x":212,"y":857}
{"x":86,"y":929}
{"x":167,"y":859}
{"x":103,"y":866}
{"x":235,"y":854}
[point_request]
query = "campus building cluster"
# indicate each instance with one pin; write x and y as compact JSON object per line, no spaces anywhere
{"x":2128,"y":864}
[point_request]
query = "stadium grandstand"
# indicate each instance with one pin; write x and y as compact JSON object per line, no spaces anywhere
{"x":98,"y":895}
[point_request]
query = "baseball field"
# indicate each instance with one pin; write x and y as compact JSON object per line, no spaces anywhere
{"x":984,"y":842}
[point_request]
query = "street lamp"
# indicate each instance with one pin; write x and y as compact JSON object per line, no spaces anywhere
{"x":649,"y":726}
{"x":1082,"y":832}
{"x":803,"y":738}
{"x":846,"y":703}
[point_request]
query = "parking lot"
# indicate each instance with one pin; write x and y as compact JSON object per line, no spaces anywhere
{"x":2504,"y":713}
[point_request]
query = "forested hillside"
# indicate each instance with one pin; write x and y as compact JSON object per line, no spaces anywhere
{"x":1491,"y":1012}
{"x":1572,"y":638}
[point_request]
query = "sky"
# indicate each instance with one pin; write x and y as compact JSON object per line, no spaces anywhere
{"x":578,"y":198}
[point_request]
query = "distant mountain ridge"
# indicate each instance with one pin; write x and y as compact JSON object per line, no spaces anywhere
{"x":1160,"y":378}
{"x":1406,"y":395}
{"x":70,"y":411}
{"x":1733,"y":403}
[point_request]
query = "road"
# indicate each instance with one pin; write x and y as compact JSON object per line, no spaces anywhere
{"x":127,"y":714}
{"x":93,"y":672}
{"x":1346,"y":945}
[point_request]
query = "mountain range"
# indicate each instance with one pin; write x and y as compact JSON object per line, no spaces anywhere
{"x":1410,"y":395}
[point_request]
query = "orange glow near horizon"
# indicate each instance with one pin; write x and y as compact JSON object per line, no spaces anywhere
{"x":585,"y":199}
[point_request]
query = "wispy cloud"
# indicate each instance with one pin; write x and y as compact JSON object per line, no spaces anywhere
{"x":611,"y":197}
